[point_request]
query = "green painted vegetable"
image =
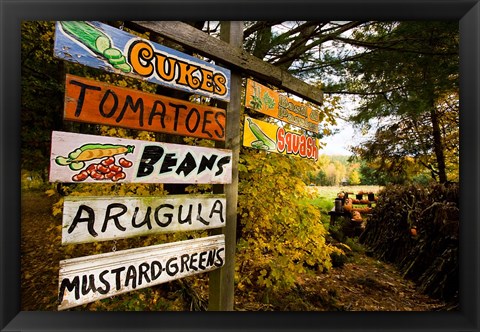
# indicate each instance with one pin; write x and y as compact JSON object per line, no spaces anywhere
{"x":88,"y":35}
{"x":267,"y":142}
{"x":97,"y":41}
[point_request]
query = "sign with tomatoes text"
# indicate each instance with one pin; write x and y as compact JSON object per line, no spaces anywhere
{"x":95,"y":102}
{"x":267,"y":101}
{"x":270,"y":137}
{"x":101,"y":46}
{"x":79,"y":158}
{"x":92,"y":219}
{"x":87,"y":279}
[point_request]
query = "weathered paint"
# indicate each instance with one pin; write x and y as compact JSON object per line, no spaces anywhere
{"x":91,"y":278}
{"x":267,"y":136}
{"x":267,"y":101}
{"x":90,"y":158}
{"x":95,"y":102}
{"x":92,"y":219}
{"x":139,"y":58}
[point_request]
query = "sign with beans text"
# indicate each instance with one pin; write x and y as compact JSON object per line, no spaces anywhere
{"x":89,"y":158}
{"x":95,"y":102}
{"x":98,"y":45}
{"x":91,"y":278}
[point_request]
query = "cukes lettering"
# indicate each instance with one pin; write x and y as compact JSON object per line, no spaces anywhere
{"x":147,"y":62}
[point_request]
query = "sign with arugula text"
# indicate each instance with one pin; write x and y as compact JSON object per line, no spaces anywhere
{"x":90,"y":158}
{"x":267,"y":101}
{"x":91,"y":219}
{"x":91,"y":278}
{"x":95,"y":102}
{"x":267,"y":136}
{"x":101,"y":46}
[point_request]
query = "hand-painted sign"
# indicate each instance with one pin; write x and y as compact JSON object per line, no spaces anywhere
{"x":101,"y":46}
{"x":266,"y":136}
{"x":89,"y":219}
{"x":91,"y":278}
{"x":269,"y":102}
{"x":100,"y":103}
{"x":89,"y":158}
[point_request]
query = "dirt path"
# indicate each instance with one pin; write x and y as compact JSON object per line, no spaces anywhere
{"x":362,"y":284}
{"x":39,"y":264}
{"x":369,"y":285}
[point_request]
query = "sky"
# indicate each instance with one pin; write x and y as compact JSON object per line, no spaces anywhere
{"x":339,"y":143}
{"x":347,"y":136}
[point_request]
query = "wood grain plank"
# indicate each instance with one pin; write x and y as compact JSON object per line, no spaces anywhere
{"x":93,"y":219}
{"x":233,"y":57}
{"x":91,"y":278}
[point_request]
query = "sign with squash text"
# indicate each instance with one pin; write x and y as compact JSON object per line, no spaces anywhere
{"x":95,"y":102}
{"x":267,"y":101}
{"x":89,"y":158}
{"x":267,"y":136}
{"x":92,"y":219}
{"x":101,"y":46}
{"x":91,"y":278}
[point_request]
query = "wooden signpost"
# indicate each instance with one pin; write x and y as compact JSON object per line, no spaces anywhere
{"x":95,"y":102}
{"x":101,"y":46}
{"x":233,"y":56}
{"x":90,"y":158}
{"x":267,"y":136}
{"x":267,"y":101}
{"x":87,"y":279}
{"x":91,"y":219}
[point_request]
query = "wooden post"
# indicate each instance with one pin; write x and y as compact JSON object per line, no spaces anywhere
{"x":221,"y":286}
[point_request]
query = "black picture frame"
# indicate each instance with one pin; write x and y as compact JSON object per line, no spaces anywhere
{"x":12,"y":12}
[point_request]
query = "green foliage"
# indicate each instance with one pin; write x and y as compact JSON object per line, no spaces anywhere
{"x":279,"y":235}
{"x":354,"y":178}
{"x":335,"y":170}
{"x":407,"y":73}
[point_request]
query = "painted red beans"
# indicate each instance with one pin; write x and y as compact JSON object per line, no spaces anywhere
{"x":125,"y":163}
{"x":108,"y":161}
{"x":115,"y":168}
{"x":107,"y":169}
{"x":83,"y":175}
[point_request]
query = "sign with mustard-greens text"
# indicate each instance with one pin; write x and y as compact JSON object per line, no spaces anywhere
{"x":267,"y":136}
{"x":91,"y":219}
{"x":267,"y":101}
{"x":95,"y":102}
{"x":90,"y":158}
{"x":91,"y":278}
{"x":101,"y":46}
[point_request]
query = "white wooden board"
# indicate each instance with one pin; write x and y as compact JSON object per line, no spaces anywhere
{"x":87,"y":279}
{"x":91,"y":219}
{"x":89,"y":158}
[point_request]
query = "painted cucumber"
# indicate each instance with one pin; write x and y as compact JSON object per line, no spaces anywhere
{"x":97,"y":41}
{"x":88,"y":35}
{"x":263,"y":142}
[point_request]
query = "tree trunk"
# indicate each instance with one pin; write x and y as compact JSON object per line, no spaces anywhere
{"x":438,"y":145}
